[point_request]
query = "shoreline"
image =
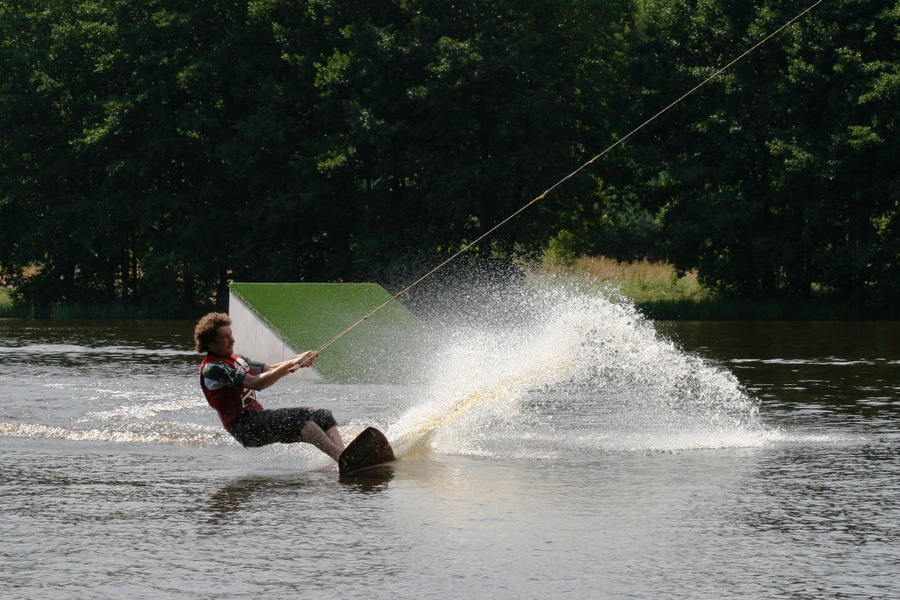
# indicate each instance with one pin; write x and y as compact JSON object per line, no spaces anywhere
{"x":660,"y":309}
{"x":655,"y":288}
{"x":765,"y":310}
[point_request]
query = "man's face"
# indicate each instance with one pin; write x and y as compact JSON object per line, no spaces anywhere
{"x":223,"y":345}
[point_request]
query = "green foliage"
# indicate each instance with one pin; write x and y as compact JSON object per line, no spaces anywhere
{"x":561,"y":250}
{"x":153,"y":151}
{"x":157,"y":150}
{"x":781,"y":176}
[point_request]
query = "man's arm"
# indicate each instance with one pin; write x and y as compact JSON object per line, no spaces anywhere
{"x":272,"y":373}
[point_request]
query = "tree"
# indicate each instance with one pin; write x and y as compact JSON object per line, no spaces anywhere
{"x":158,"y":149}
{"x":779,"y":176}
{"x":447,"y":117}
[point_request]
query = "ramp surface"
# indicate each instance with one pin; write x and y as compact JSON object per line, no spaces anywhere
{"x":386,"y":348}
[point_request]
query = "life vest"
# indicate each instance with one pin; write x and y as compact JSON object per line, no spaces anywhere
{"x":229,"y":401}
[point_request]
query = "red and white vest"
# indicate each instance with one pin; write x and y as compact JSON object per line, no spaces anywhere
{"x":229,"y":401}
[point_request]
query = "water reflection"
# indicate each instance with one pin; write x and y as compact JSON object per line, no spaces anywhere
{"x":812,"y":368}
{"x":243,"y":493}
{"x":370,"y":480}
{"x":98,"y":348}
{"x":245,"y":496}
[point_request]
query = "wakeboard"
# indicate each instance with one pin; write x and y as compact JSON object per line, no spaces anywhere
{"x":370,"y":448}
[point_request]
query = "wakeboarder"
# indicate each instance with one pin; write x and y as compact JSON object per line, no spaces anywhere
{"x":230,"y":383}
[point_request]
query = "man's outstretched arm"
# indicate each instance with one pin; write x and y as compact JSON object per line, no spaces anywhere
{"x":272,"y":373}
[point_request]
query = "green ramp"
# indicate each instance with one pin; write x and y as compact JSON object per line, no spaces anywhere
{"x":388,"y":347}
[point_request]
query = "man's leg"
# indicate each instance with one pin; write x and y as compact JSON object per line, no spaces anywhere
{"x":335,"y":436}
{"x":313,"y":434}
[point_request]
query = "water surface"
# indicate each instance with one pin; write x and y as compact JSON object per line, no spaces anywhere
{"x":578,"y":451}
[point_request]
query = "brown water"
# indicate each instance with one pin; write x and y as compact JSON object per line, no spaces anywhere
{"x":574,"y":452}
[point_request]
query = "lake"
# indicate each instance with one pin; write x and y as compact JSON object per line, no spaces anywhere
{"x":557,"y":445}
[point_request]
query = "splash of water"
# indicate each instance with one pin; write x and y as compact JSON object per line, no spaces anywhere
{"x":133,"y":412}
{"x":544,"y":371}
{"x":153,"y":433}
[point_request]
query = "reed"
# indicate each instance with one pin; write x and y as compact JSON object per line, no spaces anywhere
{"x":639,"y":281}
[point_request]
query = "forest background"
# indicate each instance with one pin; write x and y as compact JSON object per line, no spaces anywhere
{"x":152,"y":151}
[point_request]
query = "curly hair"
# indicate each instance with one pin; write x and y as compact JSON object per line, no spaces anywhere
{"x":206,"y":329}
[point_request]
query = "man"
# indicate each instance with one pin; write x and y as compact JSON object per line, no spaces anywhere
{"x":230,"y":383}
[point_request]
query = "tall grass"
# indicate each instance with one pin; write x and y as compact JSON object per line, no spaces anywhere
{"x":639,"y":281}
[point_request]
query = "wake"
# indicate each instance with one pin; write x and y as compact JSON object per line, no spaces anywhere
{"x":537,"y":365}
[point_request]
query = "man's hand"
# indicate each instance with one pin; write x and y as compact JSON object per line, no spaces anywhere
{"x":272,"y":373}
{"x":302,"y":360}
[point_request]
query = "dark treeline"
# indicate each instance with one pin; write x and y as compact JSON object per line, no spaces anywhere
{"x":151,"y":151}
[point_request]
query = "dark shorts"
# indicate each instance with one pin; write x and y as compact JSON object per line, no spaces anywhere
{"x":257,"y":428}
